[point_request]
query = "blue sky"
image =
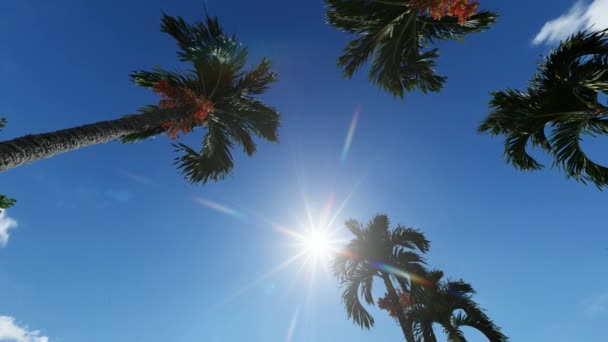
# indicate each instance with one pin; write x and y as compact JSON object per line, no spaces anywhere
{"x":109,"y":243}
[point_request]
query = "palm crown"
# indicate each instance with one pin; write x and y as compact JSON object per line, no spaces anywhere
{"x":563,"y":96}
{"x":375,"y":246}
{"x":395,"y":35}
{"x":217,"y":75}
{"x":449,"y":304}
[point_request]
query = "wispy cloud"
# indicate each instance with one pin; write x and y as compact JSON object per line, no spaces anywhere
{"x":10,"y":331}
{"x":596,"y":305}
{"x":6,"y":223}
{"x":582,"y":15}
{"x":122,"y":196}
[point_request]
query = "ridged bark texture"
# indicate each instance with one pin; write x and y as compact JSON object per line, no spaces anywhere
{"x":34,"y":147}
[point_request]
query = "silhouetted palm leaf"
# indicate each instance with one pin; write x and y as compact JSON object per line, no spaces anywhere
{"x":449,"y":304}
{"x":359,"y":284}
{"x":396,"y":37}
{"x":372,"y":248}
{"x":563,"y":97}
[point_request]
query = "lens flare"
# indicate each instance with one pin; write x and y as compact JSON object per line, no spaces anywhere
{"x":221,"y":208}
{"x":292,"y":326}
{"x":350,"y":134}
{"x":403,"y":274}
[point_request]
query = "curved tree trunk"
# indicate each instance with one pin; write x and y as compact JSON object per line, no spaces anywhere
{"x":403,"y":322}
{"x":34,"y":147}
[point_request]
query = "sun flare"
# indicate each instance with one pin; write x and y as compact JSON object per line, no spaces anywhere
{"x":317,"y":244}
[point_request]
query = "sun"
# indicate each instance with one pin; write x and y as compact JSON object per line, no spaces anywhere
{"x":317,"y":244}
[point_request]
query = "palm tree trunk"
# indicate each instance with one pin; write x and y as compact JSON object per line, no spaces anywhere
{"x":31,"y":148}
{"x":403,"y":322}
{"x":404,"y":289}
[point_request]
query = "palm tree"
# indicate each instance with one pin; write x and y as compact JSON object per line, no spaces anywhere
{"x":376,"y":251}
{"x":217,"y":93}
{"x":561,"y":104}
{"x":449,"y":304}
{"x":395,"y":35}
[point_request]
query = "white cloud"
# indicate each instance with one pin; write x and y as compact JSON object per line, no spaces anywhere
{"x":11,"y":332}
{"x":6,"y":223}
{"x":582,"y":15}
{"x":596,"y":305}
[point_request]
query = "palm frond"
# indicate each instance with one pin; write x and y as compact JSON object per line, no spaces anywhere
{"x":6,"y":202}
{"x":358,"y":283}
{"x":257,"y":80}
{"x":568,"y":152}
{"x":396,"y":37}
{"x":379,"y":225}
{"x":475,"y":318}
{"x":354,"y":227}
{"x":431,"y":30}
{"x":563,"y":96}
{"x":213,"y":161}
{"x":259,"y":119}
{"x":405,"y":237}
{"x":204,"y":43}
{"x":454,"y":334}
{"x":349,"y":260}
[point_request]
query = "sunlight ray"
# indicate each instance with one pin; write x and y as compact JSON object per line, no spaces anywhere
{"x":344,"y":203}
{"x":292,"y":325}
{"x":261,"y":278}
{"x":311,"y":282}
{"x":294,"y":279}
{"x":303,"y":194}
{"x":326,"y":210}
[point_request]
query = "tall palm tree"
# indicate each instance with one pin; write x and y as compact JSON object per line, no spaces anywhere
{"x":449,"y":304}
{"x":396,"y":35}
{"x":232,"y":113}
{"x":374,"y":252}
{"x":560,"y":105}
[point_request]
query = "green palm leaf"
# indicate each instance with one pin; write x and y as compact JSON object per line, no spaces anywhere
{"x":563,"y":98}
{"x":217,"y":73}
{"x":395,"y":39}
